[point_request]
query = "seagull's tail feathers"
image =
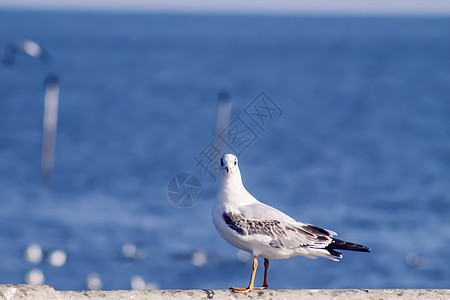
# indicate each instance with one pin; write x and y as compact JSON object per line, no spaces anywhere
{"x":343,"y":245}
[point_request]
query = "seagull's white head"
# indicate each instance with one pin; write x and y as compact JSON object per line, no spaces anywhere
{"x":229,"y":164}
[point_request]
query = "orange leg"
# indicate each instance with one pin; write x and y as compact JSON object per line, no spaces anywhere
{"x":252,"y":279}
{"x":266,"y":272}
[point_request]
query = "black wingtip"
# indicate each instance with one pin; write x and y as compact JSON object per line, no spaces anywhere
{"x":343,"y":245}
{"x":334,"y":253}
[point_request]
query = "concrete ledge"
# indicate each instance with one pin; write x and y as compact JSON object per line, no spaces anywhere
{"x":25,"y":291}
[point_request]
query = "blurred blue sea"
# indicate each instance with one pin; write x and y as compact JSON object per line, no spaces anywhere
{"x":362,"y":147}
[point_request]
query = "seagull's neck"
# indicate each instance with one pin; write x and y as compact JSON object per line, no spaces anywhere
{"x":233,"y":192}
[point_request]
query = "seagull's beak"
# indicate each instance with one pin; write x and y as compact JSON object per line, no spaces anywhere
{"x":228,"y":169}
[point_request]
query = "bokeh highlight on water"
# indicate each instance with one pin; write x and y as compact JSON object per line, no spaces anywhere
{"x":362,"y":147}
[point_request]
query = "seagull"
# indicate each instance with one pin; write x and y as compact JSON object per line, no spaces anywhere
{"x":265,"y":231}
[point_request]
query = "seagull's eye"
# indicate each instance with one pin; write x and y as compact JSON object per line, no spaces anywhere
{"x":221,"y":162}
{"x":235,"y":162}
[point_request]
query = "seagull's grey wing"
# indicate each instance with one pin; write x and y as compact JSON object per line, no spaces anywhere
{"x":261,"y":211}
{"x":281,"y":230}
